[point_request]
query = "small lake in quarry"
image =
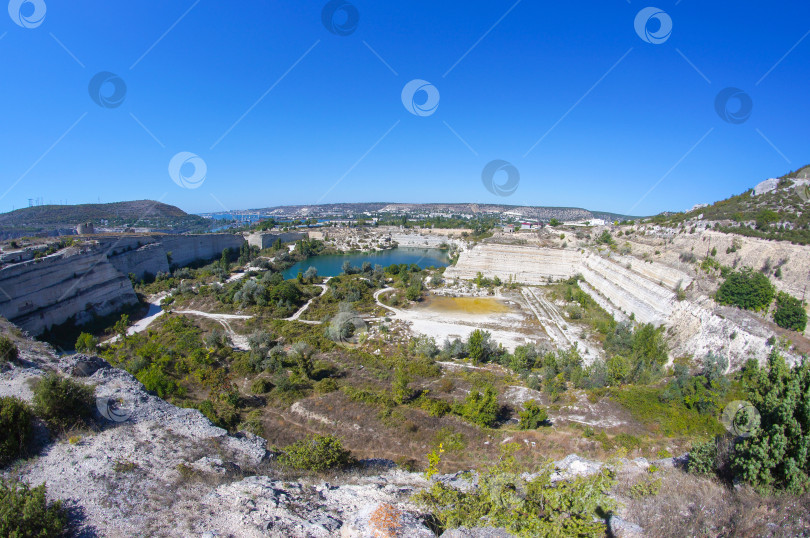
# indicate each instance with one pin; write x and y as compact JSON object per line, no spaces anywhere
{"x":332,"y":265}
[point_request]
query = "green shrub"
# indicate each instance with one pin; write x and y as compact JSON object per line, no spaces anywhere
{"x":15,"y":428}
{"x":8,"y":350}
{"x":154,"y":379}
{"x":25,"y":512}
{"x":261,"y":385}
{"x":325,"y":386}
{"x":790,"y":312}
{"x":746,"y":289}
{"x":62,"y":402}
{"x":506,"y":497}
{"x":533,"y":416}
{"x":86,"y":343}
{"x":702,"y":458}
{"x":775,"y":455}
{"x":647,"y":487}
{"x":480,"y":408}
{"x":317,"y":453}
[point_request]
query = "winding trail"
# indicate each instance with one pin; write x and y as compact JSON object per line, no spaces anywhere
{"x":304,"y":308}
{"x":240,"y":341}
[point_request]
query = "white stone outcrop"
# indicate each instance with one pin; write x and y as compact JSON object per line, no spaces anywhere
{"x":93,"y":278}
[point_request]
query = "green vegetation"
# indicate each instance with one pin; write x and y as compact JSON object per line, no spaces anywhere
{"x":790,"y":312}
{"x":317,"y":454}
{"x":746,"y":289}
{"x":505,"y":497}
{"x":86,"y":343}
{"x":775,"y":456}
{"x":8,"y":350}
{"x":532,"y":416}
{"x":480,"y":407}
{"x":651,"y":406}
{"x":62,"y":402}
{"x":25,"y":512}
{"x":15,"y":429}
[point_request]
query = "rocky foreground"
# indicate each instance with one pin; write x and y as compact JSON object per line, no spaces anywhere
{"x":151,"y":468}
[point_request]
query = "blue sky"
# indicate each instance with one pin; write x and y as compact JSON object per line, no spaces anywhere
{"x":283,"y":111}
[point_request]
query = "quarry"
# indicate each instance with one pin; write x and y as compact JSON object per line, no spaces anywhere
{"x":203,"y":451}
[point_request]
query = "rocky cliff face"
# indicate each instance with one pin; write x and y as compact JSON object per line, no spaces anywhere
{"x":93,"y":279}
{"x":624,"y":286}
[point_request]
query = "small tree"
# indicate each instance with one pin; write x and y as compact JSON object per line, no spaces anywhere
{"x":747,"y":289}
{"x":120,"y":327}
{"x":775,"y":455}
{"x":790,"y":312}
{"x":401,"y":390}
{"x":533,"y":416}
{"x":86,"y":343}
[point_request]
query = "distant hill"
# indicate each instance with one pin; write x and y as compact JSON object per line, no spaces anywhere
{"x":347,"y":209}
{"x":777,"y":208}
{"x":61,"y":219}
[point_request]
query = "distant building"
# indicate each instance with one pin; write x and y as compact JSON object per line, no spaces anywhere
{"x":85,"y":228}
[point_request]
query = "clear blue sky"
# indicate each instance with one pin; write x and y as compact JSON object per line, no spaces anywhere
{"x":335,"y":110}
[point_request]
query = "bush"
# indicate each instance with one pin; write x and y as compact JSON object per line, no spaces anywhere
{"x":533,"y":416}
{"x":480,"y":408}
{"x":8,"y":351}
{"x":505,"y":497}
{"x":775,"y":455}
{"x":790,"y":312}
{"x":62,"y":402}
{"x":325,"y":386}
{"x":746,"y":289}
{"x":15,"y":428}
{"x":317,"y":453}
{"x":702,"y":458}
{"x":86,"y":343}
{"x":25,"y":512}
{"x":261,"y":385}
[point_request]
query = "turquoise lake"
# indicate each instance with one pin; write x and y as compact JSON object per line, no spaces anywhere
{"x":332,"y":265}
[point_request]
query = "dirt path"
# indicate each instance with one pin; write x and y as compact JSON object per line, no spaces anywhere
{"x":239,"y":341}
{"x":303,"y":309}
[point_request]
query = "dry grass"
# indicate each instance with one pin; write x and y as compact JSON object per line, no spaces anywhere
{"x":689,"y":505}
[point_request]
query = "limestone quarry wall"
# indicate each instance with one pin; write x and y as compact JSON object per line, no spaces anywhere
{"x":94,"y":278}
{"x":632,"y":286}
{"x":74,"y":282}
{"x":528,"y":265}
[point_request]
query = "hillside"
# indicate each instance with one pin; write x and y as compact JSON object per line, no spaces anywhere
{"x":55,"y":219}
{"x":348,"y":209}
{"x":774,"y":209}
